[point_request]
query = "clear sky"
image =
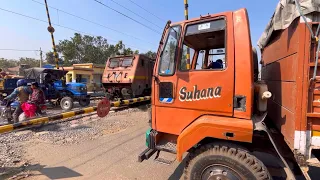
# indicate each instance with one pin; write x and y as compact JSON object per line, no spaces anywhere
{"x":17,"y":32}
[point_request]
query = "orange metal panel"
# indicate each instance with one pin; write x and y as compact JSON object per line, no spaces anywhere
{"x":283,"y":93}
{"x":284,"y":120}
{"x":282,"y":44}
{"x":284,"y":69}
{"x":243,"y":61}
{"x":216,"y":127}
{"x":174,"y":120}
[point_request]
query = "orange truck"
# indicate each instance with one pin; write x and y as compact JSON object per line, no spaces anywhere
{"x":217,"y":112}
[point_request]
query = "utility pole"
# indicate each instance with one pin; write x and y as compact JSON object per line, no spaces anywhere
{"x":186,"y":18}
{"x":51,"y":31}
{"x":40,"y":58}
{"x":41,"y":75}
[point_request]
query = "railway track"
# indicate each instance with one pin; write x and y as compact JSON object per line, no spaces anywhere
{"x":123,"y":105}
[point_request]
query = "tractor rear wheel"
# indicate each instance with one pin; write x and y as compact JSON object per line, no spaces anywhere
{"x":224,"y":161}
{"x":66,"y":103}
{"x":84,"y":102}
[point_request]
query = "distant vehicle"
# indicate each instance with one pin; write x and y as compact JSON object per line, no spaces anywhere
{"x":56,"y":90}
{"x":8,"y":84}
{"x":126,"y":77}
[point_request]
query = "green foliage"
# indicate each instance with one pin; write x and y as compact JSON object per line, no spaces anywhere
{"x":9,"y":63}
{"x":88,"y":49}
{"x":78,"y":49}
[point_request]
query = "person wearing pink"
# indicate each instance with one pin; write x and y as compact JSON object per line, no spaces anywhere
{"x":36,"y":99}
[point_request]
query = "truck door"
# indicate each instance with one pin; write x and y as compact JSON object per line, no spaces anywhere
{"x":182,"y":95}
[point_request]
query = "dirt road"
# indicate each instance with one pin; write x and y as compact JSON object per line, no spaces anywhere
{"x":93,"y":149}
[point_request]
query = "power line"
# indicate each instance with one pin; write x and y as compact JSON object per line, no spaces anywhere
{"x":62,"y":26}
{"x":146,"y":10}
{"x":136,"y":14}
{"x":18,"y":50}
{"x":127,"y":17}
{"x":95,"y":23}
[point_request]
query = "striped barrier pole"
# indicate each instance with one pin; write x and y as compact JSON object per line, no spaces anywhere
{"x":44,"y":120}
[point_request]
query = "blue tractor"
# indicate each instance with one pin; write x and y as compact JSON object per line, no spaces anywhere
{"x":56,"y":90}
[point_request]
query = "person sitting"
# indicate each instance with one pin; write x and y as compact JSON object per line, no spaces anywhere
{"x":36,"y":99}
{"x":22,"y":92}
{"x":215,"y":65}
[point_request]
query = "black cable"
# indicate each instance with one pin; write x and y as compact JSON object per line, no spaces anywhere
{"x":136,"y":14}
{"x":95,"y":23}
{"x":63,"y":26}
{"x":146,"y":10}
{"x":128,"y":17}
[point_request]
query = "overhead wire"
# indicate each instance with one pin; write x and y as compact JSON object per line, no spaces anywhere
{"x":146,"y":10}
{"x":99,"y":2}
{"x":18,"y":50}
{"x":65,"y":27}
{"x":93,"y":22}
{"x":136,"y":14}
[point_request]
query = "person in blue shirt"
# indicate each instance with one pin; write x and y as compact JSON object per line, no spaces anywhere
{"x":22,"y":92}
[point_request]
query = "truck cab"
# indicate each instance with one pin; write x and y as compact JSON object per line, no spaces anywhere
{"x":203,"y":94}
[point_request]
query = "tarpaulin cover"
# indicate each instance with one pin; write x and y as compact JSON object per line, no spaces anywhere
{"x":285,"y":13}
{"x":34,"y":73}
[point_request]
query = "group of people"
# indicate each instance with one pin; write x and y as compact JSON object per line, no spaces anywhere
{"x":30,"y":99}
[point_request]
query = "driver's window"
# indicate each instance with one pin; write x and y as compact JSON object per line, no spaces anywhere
{"x":167,"y":61}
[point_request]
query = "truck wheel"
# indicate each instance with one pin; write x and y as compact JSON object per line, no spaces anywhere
{"x":217,"y":161}
{"x":66,"y":103}
{"x":84,"y":102}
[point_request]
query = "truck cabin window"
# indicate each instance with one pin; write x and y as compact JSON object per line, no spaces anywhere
{"x":166,"y":66}
{"x":126,"y":62}
{"x":114,"y":63}
{"x":207,"y":41}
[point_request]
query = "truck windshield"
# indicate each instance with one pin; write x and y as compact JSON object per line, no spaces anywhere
{"x":167,"y":60}
{"x":114,"y":63}
{"x":126,"y":62}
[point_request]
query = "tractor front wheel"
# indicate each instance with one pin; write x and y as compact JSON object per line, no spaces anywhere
{"x":224,"y":161}
{"x":66,"y":103}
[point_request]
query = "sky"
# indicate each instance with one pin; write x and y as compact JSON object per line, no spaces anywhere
{"x":18,"y":32}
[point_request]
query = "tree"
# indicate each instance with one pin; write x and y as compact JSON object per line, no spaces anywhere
{"x":29,"y":61}
{"x":151,"y":54}
{"x":93,"y":49}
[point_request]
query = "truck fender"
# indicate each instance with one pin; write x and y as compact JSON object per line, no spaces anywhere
{"x":225,"y":128}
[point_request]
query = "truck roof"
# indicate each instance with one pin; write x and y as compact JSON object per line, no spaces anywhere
{"x":285,"y":13}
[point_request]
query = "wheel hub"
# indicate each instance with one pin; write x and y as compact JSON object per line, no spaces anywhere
{"x":218,"y":172}
{"x":66,"y":104}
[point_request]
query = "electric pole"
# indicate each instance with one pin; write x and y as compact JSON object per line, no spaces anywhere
{"x":186,"y":18}
{"x":40,"y":58}
{"x":41,"y":75}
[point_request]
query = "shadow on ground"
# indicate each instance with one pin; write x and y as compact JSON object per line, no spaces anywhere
{"x":59,"y":172}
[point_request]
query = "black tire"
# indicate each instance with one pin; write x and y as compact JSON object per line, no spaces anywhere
{"x":84,"y":102}
{"x":66,"y":103}
{"x":221,"y":161}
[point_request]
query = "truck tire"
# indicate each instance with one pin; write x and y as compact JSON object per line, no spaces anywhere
{"x":84,"y":102}
{"x":224,"y":161}
{"x":66,"y":103}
